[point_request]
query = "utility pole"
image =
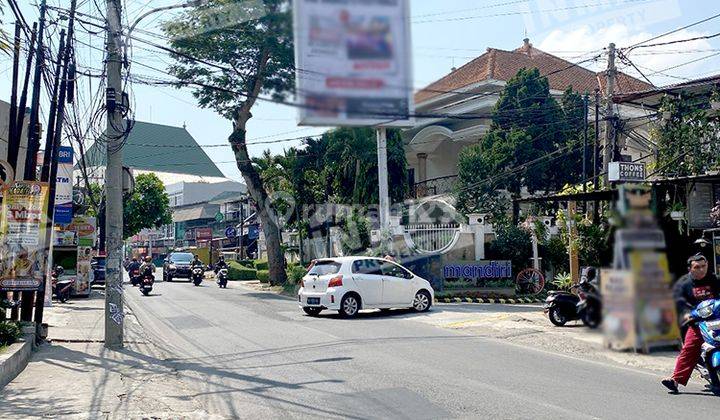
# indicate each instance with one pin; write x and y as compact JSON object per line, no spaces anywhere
{"x":586,"y":100}
{"x":596,"y":142}
{"x":28,"y":298}
{"x":608,"y":139}
{"x":12,"y":131}
{"x":14,"y":145}
{"x":54,"y":104}
{"x":383,"y":179}
{"x":114,"y":133}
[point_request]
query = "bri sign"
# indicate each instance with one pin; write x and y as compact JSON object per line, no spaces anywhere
{"x":478,"y":270}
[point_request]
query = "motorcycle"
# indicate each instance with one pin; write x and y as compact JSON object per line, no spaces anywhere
{"x":197,"y":275}
{"x":222,"y":278}
{"x":147,"y":282}
{"x":707,"y":317}
{"x":562,"y":306}
{"x":61,"y":288}
{"x":135,"y":277}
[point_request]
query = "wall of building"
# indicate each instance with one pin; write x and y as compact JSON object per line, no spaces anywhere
{"x":184,"y":193}
{"x":5,"y":134}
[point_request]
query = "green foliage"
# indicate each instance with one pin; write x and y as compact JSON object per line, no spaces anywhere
{"x":355,"y":234}
{"x":10,"y":332}
{"x":532,"y":143}
{"x":247,"y":263}
{"x":263,"y":276}
{"x":295,"y":274}
{"x":563,"y":281}
{"x":147,"y":207}
{"x":687,"y":137}
{"x":594,"y":244}
{"x":554,"y":254}
{"x":261,"y":265}
{"x":513,"y":243}
{"x":237,"y":271}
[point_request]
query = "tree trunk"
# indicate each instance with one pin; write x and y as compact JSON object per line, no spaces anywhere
{"x":271,"y":230}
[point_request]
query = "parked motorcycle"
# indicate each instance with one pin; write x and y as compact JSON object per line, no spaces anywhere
{"x":135,"y":277}
{"x":707,"y":317}
{"x":197,"y":275}
{"x":562,"y":306}
{"x":147,"y":281}
{"x":62,"y":289}
{"x":222,"y":278}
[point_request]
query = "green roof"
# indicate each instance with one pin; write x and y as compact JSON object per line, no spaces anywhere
{"x":159,"y":148}
{"x":227,"y":197}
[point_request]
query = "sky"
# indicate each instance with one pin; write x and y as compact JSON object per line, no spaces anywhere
{"x":445,"y":34}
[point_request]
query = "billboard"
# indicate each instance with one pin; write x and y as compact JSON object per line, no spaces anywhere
{"x":353,"y":65}
{"x":22,"y":225}
{"x":64,"y":186}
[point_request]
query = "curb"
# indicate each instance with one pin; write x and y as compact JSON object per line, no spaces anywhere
{"x":15,"y":359}
{"x":502,"y":301}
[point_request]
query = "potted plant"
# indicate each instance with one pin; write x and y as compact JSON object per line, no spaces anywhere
{"x":677,"y":211}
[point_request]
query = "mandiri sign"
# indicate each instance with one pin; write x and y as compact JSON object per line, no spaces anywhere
{"x":353,"y":65}
{"x":478,"y":270}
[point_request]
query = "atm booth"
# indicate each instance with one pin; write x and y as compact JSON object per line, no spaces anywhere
{"x":73,"y":250}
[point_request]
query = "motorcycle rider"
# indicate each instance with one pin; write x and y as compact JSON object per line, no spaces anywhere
{"x":696,"y":286}
{"x":220,"y":264}
{"x":196,"y":262}
{"x":148,"y":264}
{"x":133,"y":265}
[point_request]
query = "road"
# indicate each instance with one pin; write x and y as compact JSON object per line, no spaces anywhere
{"x":255,"y":355}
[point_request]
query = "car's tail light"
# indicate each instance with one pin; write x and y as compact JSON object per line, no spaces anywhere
{"x":335,"y":282}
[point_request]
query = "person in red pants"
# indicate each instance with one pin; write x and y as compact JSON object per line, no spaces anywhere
{"x":689,"y":291}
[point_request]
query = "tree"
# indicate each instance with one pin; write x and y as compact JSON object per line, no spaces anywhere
{"x":147,"y":207}
{"x":687,"y":137}
{"x":532,"y":143}
{"x":229,"y":67}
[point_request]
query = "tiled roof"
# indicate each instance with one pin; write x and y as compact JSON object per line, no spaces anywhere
{"x":503,"y":65}
{"x":160,"y":148}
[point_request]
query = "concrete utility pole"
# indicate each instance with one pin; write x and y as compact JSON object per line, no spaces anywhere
{"x":114,"y":311}
{"x":608,"y":145}
{"x":383,"y":178}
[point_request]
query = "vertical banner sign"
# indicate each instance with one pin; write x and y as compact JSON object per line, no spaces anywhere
{"x":22,"y":244}
{"x":64,"y":187}
{"x":85,"y":232}
{"x":353,"y":62}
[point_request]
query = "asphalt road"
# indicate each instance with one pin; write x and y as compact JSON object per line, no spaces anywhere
{"x":254,"y":355}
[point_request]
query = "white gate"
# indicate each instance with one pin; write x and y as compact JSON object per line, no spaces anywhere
{"x":432,"y":238}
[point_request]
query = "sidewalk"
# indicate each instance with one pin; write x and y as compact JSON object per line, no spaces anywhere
{"x":75,"y":376}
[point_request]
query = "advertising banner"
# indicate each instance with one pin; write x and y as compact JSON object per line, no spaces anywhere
{"x":22,"y":225}
{"x":86,"y":230}
{"x":353,"y":62}
{"x":203,"y":234}
{"x":618,"y":292}
{"x":64,"y":187}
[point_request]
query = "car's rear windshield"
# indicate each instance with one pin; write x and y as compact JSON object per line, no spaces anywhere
{"x":181,"y":257}
{"x":322,"y":268}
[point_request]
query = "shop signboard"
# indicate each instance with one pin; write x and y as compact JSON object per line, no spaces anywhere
{"x":353,"y":62}
{"x":626,"y":172}
{"x":203,"y":234}
{"x":64,"y":187}
{"x":477,"y":274}
{"x":22,"y":224}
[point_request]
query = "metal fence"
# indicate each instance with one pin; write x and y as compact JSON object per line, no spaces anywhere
{"x":433,"y":238}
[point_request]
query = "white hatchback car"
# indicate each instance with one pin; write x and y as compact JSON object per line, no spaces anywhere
{"x":349,"y":284}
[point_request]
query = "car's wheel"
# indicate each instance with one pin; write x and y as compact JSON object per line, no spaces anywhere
{"x":557,"y":317}
{"x":421,"y":301}
{"x":350,"y":306}
{"x":312,"y":311}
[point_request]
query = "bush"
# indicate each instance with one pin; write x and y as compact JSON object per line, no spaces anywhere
{"x":263,"y":276}
{"x":261,"y":265}
{"x":295,"y":273}
{"x":10,"y":332}
{"x":236,"y":271}
{"x":247,"y":263}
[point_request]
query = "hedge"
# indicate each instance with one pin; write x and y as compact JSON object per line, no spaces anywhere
{"x":236,"y":271}
{"x":295,"y":274}
{"x":261,"y":265}
{"x":263,"y":276}
{"x":247,"y":263}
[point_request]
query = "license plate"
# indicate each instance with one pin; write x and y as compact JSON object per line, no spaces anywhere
{"x":313,"y":301}
{"x":713,"y":325}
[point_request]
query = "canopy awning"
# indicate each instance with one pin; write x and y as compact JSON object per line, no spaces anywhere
{"x":205,"y":211}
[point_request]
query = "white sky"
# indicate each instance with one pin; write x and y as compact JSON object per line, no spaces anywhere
{"x":445,"y":34}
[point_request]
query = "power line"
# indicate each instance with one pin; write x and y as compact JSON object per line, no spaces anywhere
{"x":672,"y":32}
